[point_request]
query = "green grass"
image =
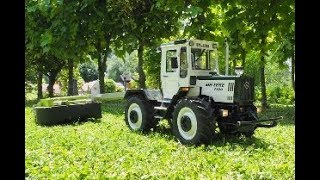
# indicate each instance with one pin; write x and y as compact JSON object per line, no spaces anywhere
{"x":106,"y":149}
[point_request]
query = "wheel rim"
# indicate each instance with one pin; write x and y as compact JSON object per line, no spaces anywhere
{"x":187,"y":123}
{"x":134,"y":116}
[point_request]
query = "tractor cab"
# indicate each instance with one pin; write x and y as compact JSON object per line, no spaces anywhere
{"x":183,"y":60}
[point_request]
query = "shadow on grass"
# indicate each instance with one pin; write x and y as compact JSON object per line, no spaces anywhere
{"x":219,"y":140}
{"x":73,"y":122}
{"x":30,"y":103}
{"x":244,"y":142}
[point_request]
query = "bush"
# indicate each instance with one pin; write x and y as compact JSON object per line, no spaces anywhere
{"x":133,"y":85}
{"x":110,"y":86}
{"x":119,"y":89}
{"x":277,"y":94}
{"x":280,"y":94}
{"x":88,"y":72}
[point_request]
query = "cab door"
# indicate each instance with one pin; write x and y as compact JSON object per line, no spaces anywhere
{"x":169,"y":75}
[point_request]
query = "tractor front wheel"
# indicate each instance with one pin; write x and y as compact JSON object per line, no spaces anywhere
{"x":139,"y":114}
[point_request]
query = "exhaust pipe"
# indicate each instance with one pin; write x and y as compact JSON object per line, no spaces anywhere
{"x":227,"y":57}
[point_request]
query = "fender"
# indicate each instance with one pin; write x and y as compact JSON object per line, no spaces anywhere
{"x":147,"y":94}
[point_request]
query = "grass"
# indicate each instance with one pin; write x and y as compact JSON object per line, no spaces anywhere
{"x":106,"y":149}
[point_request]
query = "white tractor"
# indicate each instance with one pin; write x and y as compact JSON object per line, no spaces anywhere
{"x":195,"y":98}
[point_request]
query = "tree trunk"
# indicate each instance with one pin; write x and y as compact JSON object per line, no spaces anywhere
{"x":101,"y":70}
{"x":293,"y":64}
{"x":262,"y":74}
{"x":142,"y":76}
{"x":70,"y":77}
{"x":39,"y":85}
{"x":234,"y":62}
{"x":52,"y":79}
{"x":243,"y":57}
{"x":102,"y":60}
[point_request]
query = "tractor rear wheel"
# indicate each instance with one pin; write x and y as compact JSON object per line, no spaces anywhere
{"x":192,"y":123}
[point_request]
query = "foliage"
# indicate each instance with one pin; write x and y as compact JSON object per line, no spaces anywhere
{"x":63,"y":79}
{"x":29,"y":87}
{"x":147,"y":22}
{"x":280,"y":94}
{"x":107,"y":149}
{"x":152,"y":64}
{"x":276,"y":94}
{"x":48,"y":102}
{"x":113,"y":68}
{"x":133,"y":85}
{"x":260,"y":35}
{"x":88,"y":71}
{"x":110,"y":85}
{"x":120,"y":88}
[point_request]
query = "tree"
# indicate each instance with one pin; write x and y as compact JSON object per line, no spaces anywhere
{"x":145,"y":22}
{"x":261,"y":18}
{"x":101,"y":25}
{"x":88,"y":72}
{"x":51,"y":38}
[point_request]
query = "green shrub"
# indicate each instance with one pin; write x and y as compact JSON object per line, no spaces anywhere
{"x":119,"y":89}
{"x":280,"y":94}
{"x":287,"y":96}
{"x":277,"y":94}
{"x":133,"y":84}
{"x":110,"y":86}
{"x":48,"y":102}
{"x":258,"y":94}
{"x":88,"y":72}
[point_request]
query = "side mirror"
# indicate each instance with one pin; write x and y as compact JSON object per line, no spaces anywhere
{"x":174,"y":62}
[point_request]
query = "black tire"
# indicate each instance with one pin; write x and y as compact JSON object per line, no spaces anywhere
{"x":192,"y":123}
{"x":139,"y":114}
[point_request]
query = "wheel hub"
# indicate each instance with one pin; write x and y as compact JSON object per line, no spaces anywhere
{"x":186,"y":123}
{"x":133,"y":116}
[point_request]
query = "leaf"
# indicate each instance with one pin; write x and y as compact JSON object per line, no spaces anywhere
{"x":31,"y":9}
{"x":46,"y":39}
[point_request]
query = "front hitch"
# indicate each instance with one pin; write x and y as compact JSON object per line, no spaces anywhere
{"x":258,"y":122}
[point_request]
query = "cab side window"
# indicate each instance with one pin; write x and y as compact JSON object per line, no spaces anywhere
{"x":169,"y":55}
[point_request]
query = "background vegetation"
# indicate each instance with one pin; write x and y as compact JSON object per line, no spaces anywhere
{"x":121,"y":37}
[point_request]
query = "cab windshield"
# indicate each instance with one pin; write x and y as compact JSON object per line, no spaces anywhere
{"x":203,"y":59}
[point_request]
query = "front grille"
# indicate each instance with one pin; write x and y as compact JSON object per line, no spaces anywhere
{"x":244,"y":89}
{"x":230,"y":86}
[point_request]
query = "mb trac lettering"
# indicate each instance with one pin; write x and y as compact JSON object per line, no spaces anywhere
{"x":215,"y":85}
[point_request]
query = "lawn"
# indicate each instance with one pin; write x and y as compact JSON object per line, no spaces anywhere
{"x":106,"y":149}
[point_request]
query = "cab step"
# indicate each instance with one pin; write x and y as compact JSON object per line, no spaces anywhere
{"x":161,"y":108}
{"x":166,"y":101}
{"x":158,"y":117}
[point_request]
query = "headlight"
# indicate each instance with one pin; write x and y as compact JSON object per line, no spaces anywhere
{"x":239,"y":70}
{"x":224,"y":112}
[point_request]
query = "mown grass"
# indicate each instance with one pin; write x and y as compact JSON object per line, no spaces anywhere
{"x":106,"y":149}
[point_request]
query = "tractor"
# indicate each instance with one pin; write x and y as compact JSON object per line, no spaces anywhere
{"x":194,"y":97}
